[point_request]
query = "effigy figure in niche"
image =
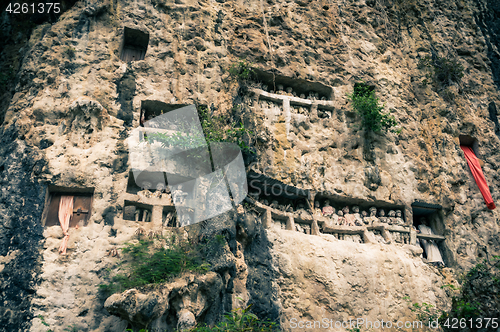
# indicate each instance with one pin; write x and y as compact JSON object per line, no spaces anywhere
{"x":381,"y":216}
{"x":317,"y":209}
{"x":289,"y":91}
{"x":430,"y":247}
{"x":348,"y":216}
{"x":274,"y":205}
{"x":364,"y":216}
{"x":302,"y":96}
{"x":265,"y":202}
{"x":179,"y":196}
{"x":341,"y":219}
{"x":137,"y":214}
{"x":302,"y":212}
{"x":391,"y":217}
{"x":327,"y":209}
{"x":280,"y":89}
{"x":289,"y":208}
{"x":372,"y":218}
{"x":358,"y":221}
{"x":399,"y":218}
{"x":332,"y":220}
{"x":160,"y":187}
{"x":145,"y":193}
{"x":186,"y":220}
{"x":167,"y":196}
{"x":335,"y":219}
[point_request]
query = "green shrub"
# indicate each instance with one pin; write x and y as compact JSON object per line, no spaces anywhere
{"x":241,"y":70}
{"x":442,"y":71}
{"x":479,"y":295}
{"x":479,"y":298}
{"x":367,"y":105}
{"x":239,"y":320}
{"x":215,"y":129}
{"x":149,"y":265}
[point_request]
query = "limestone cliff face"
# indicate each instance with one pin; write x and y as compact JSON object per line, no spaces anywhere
{"x":73,"y":102}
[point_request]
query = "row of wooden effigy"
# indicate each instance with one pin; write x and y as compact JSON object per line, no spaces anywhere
{"x":348,"y":223}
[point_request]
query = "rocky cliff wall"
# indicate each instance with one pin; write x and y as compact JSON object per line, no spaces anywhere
{"x":74,"y":103}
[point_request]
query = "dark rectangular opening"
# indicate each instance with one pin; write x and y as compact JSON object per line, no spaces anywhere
{"x":471,"y":142}
{"x":150,"y":109}
{"x":137,"y":211}
{"x":135,"y":45}
{"x":432,"y":216}
{"x":429,"y":212}
{"x":300,"y":87}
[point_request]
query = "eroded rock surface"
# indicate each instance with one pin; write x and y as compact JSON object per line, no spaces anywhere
{"x":73,"y":102}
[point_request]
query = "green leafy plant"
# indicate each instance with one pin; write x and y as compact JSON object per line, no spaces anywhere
{"x":478,"y":298}
{"x":241,"y":70}
{"x":450,"y":286}
{"x":239,"y":320}
{"x":425,"y":312}
{"x":72,"y":328}
{"x":479,"y":293}
{"x":441,"y":71}
{"x":215,"y":129}
{"x":44,"y":323}
{"x":150,"y":265}
{"x":368,"y":106}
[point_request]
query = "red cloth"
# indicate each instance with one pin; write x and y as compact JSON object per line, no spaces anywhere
{"x":65,"y":213}
{"x":475,"y":168}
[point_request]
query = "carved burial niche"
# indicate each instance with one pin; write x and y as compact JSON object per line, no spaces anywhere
{"x":134,"y":45}
{"x":82,"y":205}
{"x":433,"y":213}
{"x":135,"y":211}
{"x":150,"y":109}
{"x":466,"y":140}
{"x":471,"y":142}
{"x":298,"y":87}
{"x":145,"y":180}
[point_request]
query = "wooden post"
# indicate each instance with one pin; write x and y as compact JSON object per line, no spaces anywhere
{"x":386,"y":235}
{"x":156,"y":216}
{"x":413,"y":237}
{"x":267,"y":221}
{"x":368,"y":237}
{"x":290,"y":223}
{"x":314,"y":226}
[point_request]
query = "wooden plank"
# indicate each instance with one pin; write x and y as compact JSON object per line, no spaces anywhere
{"x":132,"y":54}
{"x":345,"y":229}
{"x":431,"y":237}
